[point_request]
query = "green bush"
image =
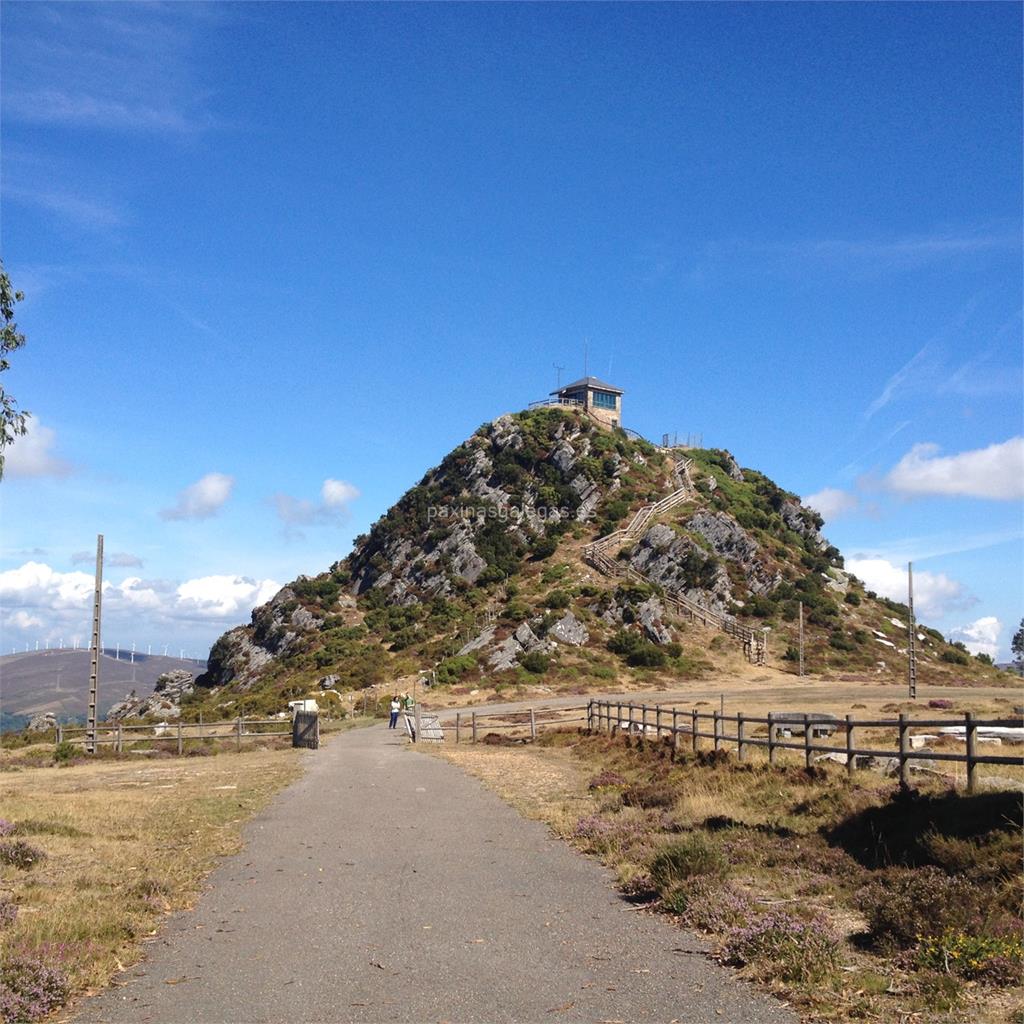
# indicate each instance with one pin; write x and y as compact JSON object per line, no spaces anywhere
{"x":852,"y":598}
{"x":536,"y":662}
{"x":683,"y":859}
{"x":64,"y":752}
{"x":995,"y":958}
{"x":954,"y":657}
{"x":557,"y":599}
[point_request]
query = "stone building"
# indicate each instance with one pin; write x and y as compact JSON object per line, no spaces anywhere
{"x":603,"y":401}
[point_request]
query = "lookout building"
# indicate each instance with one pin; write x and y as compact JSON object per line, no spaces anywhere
{"x":602,"y":401}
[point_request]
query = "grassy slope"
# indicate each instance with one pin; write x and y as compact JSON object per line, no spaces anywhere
{"x":375,"y":643}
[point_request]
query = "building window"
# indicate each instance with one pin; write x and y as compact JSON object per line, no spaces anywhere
{"x":604,"y":400}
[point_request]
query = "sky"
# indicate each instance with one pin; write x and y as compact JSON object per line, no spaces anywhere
{"x":279,"y":259}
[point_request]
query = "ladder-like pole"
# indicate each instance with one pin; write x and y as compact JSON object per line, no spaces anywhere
{"x":911,"y":635}
{"x":94,"y":666}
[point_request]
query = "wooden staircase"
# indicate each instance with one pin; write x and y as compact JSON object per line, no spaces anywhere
{"x":596,"y":554}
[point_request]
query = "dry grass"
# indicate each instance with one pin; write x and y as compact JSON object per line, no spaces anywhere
{"x":126,"y":843}
{"x":769,"y":824}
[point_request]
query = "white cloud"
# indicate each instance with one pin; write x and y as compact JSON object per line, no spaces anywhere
{"x":831,"y":502}
{"x":934,"y":592}
{"x":202,"y":499}
{"x":980,"y":636}
{"x":335,"y":496}
{"x":222,"y":597}
{"x":37,"y":597}
{"x":337,"y":493}
{"x":32,"y":455}
{"x":993,"y":472}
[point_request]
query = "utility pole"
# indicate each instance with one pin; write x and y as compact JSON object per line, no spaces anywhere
{"x":911,"y":635}
{"x":94,"y":665}
{"x":801,"y":639}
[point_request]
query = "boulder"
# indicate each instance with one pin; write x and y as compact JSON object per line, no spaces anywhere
{"x":42,"y":722}
{"x":569,"y":630}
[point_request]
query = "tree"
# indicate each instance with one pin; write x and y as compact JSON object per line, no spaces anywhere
{"x":1017,"y":645}
{"x":12,"y":422}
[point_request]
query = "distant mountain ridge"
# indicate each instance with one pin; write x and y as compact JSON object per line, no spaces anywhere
{"x":58,"y":680}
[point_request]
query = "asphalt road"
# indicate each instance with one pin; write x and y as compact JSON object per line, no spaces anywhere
{"x":389,"y":886}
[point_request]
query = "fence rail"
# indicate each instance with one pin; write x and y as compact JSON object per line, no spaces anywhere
{"x":614,"y":716}
{"x":534,"y":719}
{"x":117,"y":734}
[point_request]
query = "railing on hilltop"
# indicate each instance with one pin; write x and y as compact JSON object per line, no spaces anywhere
{"x":616,"y":716}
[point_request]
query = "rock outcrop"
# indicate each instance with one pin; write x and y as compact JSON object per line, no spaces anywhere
{"x":163,"y":702}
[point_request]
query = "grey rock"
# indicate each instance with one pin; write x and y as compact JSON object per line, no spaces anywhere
{"x":733,"y":467}
{"x":712,"y":482}
{"x":649,"y":615}
{"x":482,"y":639}
{"x":42,"y":722}
{"x":329,"y":682}
{"x":798,"y":519}
{"x":569,"y":630}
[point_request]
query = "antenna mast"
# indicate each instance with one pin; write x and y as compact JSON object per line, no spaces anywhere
{"x":94,"y":666}
{"x":559,"y":370}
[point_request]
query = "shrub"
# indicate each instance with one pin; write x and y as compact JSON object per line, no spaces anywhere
{"x":64,"y":752}
{"x":649,"y":794}
{"x":955,"y":657}
{"x":19,"y":854}
{"x":902,"y":906}
{"x":536,"y":662}
{"x":785,"y":947}
{"x":940,"y":702}
{"x":646,"y":655}
{"x":557,"y":599}
{"x":686,"y":858}
{"x":606,"y":778}
{"x":6,"y":828}
{"x":852,"y":598}
{"x":30,"y":988}
{"x":8,"y":911}
{"x":996,"y":958}
{"x":544,"y":548}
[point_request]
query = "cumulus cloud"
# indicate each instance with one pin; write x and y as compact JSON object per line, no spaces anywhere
{"x":935,"y":593}
{"x":35,"y":596}
{"x":335,"y":496}
{"x":993,"y":472}
{"x":202,"y":499}
{"x":832,"y":503}
{"x":980,"y":636}
{"x":33,"y":455}
{"x":116,"y":560}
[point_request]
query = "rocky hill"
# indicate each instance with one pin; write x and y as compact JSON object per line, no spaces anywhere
{"x":485,"y":572}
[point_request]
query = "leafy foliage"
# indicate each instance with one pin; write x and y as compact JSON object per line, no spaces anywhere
{"x":13,"y":423}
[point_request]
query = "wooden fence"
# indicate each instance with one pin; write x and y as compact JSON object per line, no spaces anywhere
{"x":473,"y":724}
{"x":639,"y":719}
{"x":117,"y":734}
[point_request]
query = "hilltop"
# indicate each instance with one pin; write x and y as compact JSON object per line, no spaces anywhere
{"x":487,"y":573}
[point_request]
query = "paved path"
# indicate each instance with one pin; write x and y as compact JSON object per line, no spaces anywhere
{"x":386,"y":885}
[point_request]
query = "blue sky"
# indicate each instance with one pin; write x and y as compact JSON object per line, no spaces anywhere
{"x":279,"y":259}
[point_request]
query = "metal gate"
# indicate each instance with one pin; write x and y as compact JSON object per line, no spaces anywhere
{"x":306,"y":730}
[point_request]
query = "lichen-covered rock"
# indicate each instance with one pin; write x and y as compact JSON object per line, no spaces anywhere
{"x":164,"y":702}
{"x":732,"y":466}
{"x":569,"y":630}
{"x":803,"y":521}
{"x":649,"y":615}
{"x":42,"y":722}
{"x":523,"y":641}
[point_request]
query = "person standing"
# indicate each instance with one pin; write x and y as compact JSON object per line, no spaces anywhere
{"x":395,"y":708}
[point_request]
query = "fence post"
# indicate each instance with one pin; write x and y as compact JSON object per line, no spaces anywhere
{"x":60,"y":733}
{"x":773,"y":754}
{"x":904,"y":764}
{"x":971,"y":738}
{"x":120,"y":738}
{"x":643,"y":719}
{"x":740,"y":749}
{"x":416,"y":723}
{"x":619,"y":719}
{"x":675,"y":730}
{"x":533,"y":724}
{"x":717,"y":730}
{"x":657,"y":721}
{"x":473,"y":723}
{"x":458,"y":724}
{"x":180,"y":747}
{"x":850,"y":762}
{"x":695,"y":740}
{"x":238,"y":733}
{"x":808,"y":760}
{"x":200,"y":725}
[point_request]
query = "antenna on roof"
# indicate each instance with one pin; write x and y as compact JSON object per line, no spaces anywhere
{"x":559,"y":369}
{"x":586,"y":357}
